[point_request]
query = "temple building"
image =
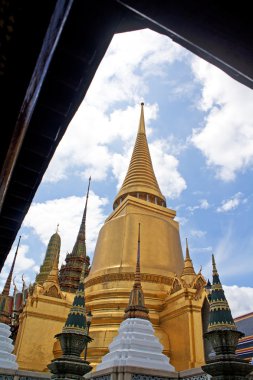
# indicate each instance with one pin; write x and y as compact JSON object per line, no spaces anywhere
{"x":174,"y":293}
{"x":48,"y":303}
{"x":244,"y":323}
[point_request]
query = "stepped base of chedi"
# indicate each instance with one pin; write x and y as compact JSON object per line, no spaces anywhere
{"x":137,"y":346}
{"x":7,"y":359}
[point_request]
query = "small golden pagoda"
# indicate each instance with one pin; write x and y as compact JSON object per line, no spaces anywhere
{"x":174,"y":293}
{"x":53,"y":250}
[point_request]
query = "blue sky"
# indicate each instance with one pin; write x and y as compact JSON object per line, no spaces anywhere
{"x":199,"y":126}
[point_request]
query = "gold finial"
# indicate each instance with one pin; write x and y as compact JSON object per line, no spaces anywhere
{"x":14,"y":285}
{"x":23,"y":281}
{"x":214,"y":265}
{"x":82,"y":231}
{"x":137,"y":278}
{"x":136,"y":306}
{"x":6,"y":289}
{"x":142,"y":121}
{"x":188,"y":273}
{"x":187,"y":253}
{"x":88,"y":190}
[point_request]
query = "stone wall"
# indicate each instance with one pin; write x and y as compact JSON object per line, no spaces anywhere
{"x":133,"y":373}
{"x":9,"y":374}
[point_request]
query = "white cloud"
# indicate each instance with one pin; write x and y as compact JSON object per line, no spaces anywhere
{"x":232,"y":203}
{"x":22,"y":265}
{"x":92,"y":138}
{"x":203,"y":204}
{"x":233,"y":256}
{"x":202,"y":249}
{"x":181,"y":220}
{"x":197,"y":233}
{"x":99,"y":133}
{"x":166,"y":168}
{"x":43,"y":218}
{"x":130,"y":58}
{"x":227,"y":137}
{"x":240,"y":299}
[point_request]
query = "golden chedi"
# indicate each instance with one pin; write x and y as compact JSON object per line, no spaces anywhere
{"x":174,"y":294}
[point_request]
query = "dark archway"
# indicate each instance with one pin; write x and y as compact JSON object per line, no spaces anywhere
{"x":49,"y":53}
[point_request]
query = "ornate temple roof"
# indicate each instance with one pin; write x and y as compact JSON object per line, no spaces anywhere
{"x":70,"y":273}
{"x":140,"y":180}
{"x":136,"y":306}
{"x":220,"y":317}
{"x":53,"y":250}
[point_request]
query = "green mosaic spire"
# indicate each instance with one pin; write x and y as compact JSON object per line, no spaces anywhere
{"x":220,"y":317}
{"x":76,"y":320}
{"x":53,"y":251}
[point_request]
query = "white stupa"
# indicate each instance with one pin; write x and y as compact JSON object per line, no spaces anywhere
{"x":7,"y":359}
{"x":136,"y":344}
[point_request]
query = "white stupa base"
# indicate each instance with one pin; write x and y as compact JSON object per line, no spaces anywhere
{"x":136,"y":345}
{"x":7,"y":359}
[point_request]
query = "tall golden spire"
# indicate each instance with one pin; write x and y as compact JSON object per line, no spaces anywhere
{"x":188,"y":273}
{"x":136,"y":306}
{"x":140,"y":180}
{"x":69,"y":275}
{"x":7,"y":286}
{"x":79,"y":247}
